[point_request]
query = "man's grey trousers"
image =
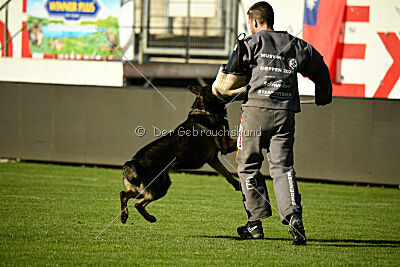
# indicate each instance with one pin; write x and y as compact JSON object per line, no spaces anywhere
{"x":273,"y":130}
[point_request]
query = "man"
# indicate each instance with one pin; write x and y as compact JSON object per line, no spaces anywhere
{"x":271,"y":61}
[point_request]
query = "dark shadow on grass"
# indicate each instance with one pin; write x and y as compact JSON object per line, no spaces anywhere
{"x":325,"y":242}
{"x":360,"y":245}
{"x":357,"y":243}
{"x":368,"y":241}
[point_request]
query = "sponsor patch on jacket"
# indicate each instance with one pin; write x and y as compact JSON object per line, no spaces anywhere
{"x":275,"y":94}
{"x":292,"y":62}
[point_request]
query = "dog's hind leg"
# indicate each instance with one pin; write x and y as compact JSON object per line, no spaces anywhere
{"x":141,"y":207}
{"x":125,"y":196}
{"x":217,"y":165}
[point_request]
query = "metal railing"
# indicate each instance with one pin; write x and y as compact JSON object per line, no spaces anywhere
{"x":187,"y":35}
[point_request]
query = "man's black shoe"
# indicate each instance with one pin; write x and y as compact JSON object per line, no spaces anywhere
{"x":296,"y":229}
{"x":251,"y":230}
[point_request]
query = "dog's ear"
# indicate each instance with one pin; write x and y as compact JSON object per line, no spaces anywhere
{"x":195,"y":89}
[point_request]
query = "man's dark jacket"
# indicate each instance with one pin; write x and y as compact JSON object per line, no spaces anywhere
{"x":273,"y":59}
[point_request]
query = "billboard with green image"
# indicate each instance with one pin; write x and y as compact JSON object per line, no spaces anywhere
{"x":86,"y":28}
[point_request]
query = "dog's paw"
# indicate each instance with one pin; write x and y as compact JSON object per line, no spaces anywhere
{"x":151,"y":219}
{"x":124,"y":217}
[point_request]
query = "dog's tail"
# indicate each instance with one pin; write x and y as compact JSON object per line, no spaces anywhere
{"x":131,"y":173}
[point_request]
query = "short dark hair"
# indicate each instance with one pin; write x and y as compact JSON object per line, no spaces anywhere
{"x":263,"y":13}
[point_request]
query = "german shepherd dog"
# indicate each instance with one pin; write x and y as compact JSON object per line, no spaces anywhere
{"x":192,"y":144}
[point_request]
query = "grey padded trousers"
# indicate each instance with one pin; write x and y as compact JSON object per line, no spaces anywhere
{"x":272,"y":130}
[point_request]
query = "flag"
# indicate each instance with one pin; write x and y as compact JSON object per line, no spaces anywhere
{"x":322,"y":22}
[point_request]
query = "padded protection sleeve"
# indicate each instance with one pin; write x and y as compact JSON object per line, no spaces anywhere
{"x":229,"y":86}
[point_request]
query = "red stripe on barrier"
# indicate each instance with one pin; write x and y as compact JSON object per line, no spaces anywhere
{"x":354,"y":51}
{"x":356,"y":13}
{"x":74,"y":57}
{"x":24,"y":6}
{"x":348,"y":90}
{"x":26,"y":50}
{"x":3,"y":41}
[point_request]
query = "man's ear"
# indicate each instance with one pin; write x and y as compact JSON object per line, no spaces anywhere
{"x":255,"y":23}
{"x":195,"y":89}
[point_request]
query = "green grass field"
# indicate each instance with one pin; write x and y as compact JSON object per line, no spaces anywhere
{"x":51,"y":214}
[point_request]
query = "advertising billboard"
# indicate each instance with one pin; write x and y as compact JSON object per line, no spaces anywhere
{"x":69,"y":29}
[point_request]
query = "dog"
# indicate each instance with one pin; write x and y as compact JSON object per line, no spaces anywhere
{"x":195,"y":142}
{"x":36,"y":34}
{"x":112,"y":42}
{"x":56,"y":44}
